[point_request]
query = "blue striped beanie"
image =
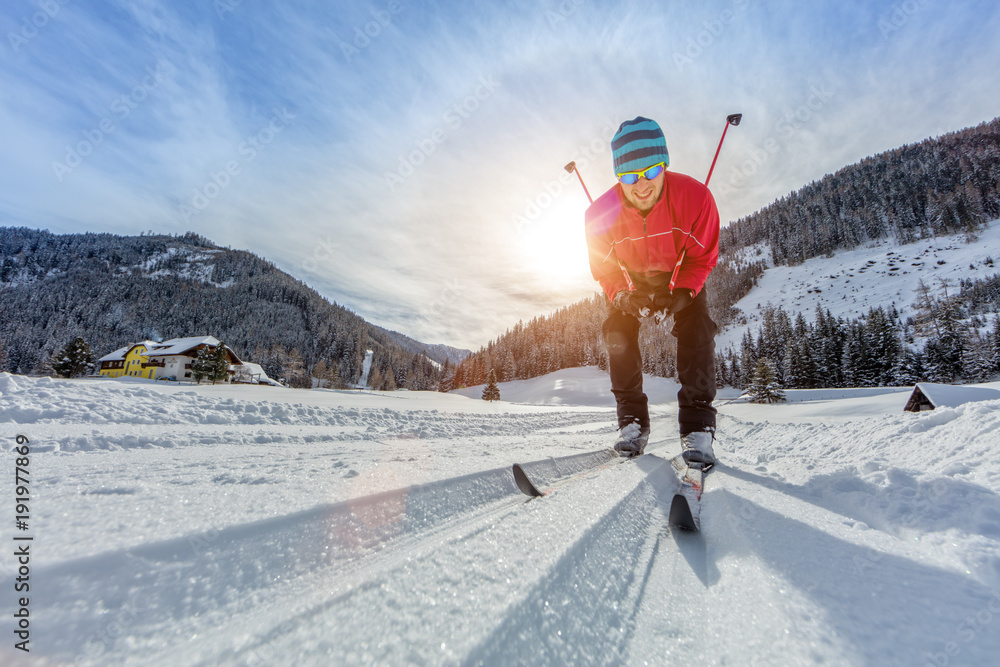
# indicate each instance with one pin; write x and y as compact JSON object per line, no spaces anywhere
{"x":638,"y":145}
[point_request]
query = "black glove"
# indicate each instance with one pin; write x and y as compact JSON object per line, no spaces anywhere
{"x":634,"y":303}
{"x":667,"y":303}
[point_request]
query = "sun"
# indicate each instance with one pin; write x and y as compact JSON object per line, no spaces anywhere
{"x":554,"y":245}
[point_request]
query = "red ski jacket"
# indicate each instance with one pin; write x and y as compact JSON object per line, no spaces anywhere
{"x":685,"y":219}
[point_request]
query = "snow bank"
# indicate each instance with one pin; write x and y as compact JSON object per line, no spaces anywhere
{"x":247,"y":525}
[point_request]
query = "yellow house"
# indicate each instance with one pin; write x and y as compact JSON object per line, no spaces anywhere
{"x":131,"y":361}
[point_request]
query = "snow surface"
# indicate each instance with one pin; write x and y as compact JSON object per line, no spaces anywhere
{"x":225,"y":525}
{"x":881,"y":273}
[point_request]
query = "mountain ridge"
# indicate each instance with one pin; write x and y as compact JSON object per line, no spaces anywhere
{"x":114,"y":290}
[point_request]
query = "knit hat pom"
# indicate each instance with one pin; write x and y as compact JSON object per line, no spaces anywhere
{"x":638,"y":145}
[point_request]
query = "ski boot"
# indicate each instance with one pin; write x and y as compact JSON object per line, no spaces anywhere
{"x":696,"y":448}
{"x":632,"y":438}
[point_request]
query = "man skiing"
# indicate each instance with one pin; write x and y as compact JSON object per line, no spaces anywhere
{"x":653,"y":241}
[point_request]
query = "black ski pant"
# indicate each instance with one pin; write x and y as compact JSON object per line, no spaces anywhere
{"x":695,"y":333}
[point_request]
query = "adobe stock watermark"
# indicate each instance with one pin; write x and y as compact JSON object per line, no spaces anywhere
{"x":446,"y":296}
{"x":323,"y":252}
{"x":556,"y":17}
{"x":899,"y":17}
{"x":363,"y":35}
{"x":711,"y":30}
{"x":745,"y":515}
{"x":30,"y":25}
{"x":248,"y":150}
{"x":966,"y":632}
{"x":453,"y":119}
{"x":121,"y":108}
{"x":223,"y":7}
{"x":585,"y":154}
{"x":787,"y":125}
{"x":268,"y":651}
{"x":113,"y":627}
{"x":870,"y":558}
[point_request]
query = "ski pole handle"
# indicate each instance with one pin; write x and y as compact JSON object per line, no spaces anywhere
{"x":731,"y":119}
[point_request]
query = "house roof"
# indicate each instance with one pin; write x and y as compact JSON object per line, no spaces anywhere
{"x":117,"y":355}
{"x":146,"y":343}
{"x":179,"y":346}
{"x":950,"y":395}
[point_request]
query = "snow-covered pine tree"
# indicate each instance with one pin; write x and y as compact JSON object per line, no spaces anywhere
{"x":509,"y":367}
{"x":74,"y":360}
{"x":202,"y":367}
{"x":748,"y":360}
{"x":800,"y":366}
{"x":219,"y":371}
{"x":857,"y":360}
{"x":943,"y":354}
{"x":492,"y":391}
{"x":765,"y":387}
{"x":447,"y":381}
{"x":884,"y":346}
{"x":722,"y":378}
{"x":775,"y":334}
{"x":828,"y":346}
{"x":909,"y":369}
{"x":977,"y":362}
{"x":735,"y":373}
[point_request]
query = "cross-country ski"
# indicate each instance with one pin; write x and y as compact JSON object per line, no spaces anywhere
{"x":685,"y":508}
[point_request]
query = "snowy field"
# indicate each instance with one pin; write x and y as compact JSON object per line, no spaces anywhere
{"x":236,"y":525}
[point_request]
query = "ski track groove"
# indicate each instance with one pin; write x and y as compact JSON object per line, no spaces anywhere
{"x":541,"y":638}
{"x":247,"y":560}
{"x":351,"y":636}
{"x":362,"y":577}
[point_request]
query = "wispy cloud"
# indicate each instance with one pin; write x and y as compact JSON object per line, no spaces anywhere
{"x":417,"y":175}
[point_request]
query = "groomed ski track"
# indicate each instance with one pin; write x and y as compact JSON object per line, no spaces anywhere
{"x":467,"y":571}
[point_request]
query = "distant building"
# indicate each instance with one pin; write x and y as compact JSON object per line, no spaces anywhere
{"x":172,"y":358}
{"x":129,"y":361}
{"x":250,"y":373}
{"x":928,"y":395}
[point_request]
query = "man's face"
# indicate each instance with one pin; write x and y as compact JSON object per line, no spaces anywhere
{"x":643,"y":194}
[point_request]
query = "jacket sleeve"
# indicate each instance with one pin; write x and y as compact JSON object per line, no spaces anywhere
{"x":702,"y":246}
{"x":604,"y":265}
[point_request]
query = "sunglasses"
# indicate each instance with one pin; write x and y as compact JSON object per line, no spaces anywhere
{"x":632,"y":177}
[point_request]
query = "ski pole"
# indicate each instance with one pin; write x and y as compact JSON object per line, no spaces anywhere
{"x":732,"y":119}
{"x":571,"y":167}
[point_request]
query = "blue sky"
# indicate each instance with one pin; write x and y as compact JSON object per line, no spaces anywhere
{"x":406,"y":159}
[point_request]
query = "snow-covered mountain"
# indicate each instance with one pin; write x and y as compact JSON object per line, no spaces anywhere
{"x":115,"y":290}
{"x":881,"y":273}
{"x":229,"y":525}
